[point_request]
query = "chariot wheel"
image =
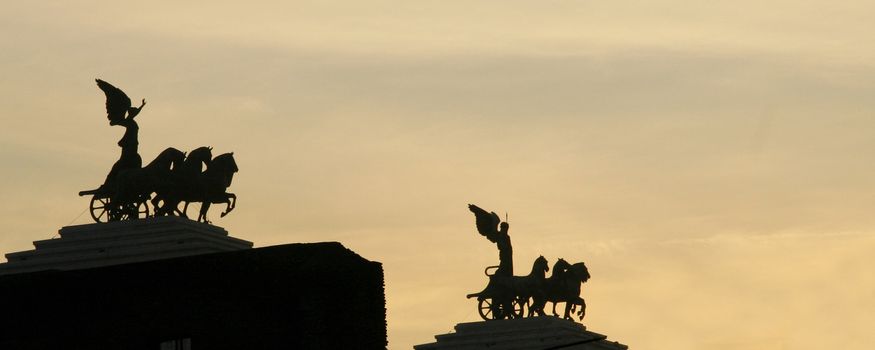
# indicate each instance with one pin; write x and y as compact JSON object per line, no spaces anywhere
{"x":99,"y":209}
{"x":102,"y":212}
{"x":489,"y":311}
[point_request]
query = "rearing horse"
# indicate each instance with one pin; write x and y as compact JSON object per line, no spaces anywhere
{"x":185,"y":179}
{"x":564,"y":286}
{"x":212,"y":185}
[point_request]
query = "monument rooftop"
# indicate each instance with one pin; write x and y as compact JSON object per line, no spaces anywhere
{"x":543,"y":332}
{"x":121,"y":242}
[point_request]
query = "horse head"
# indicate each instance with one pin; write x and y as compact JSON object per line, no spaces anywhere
{"x":224,"y":165}
{"x":560,"y":265}
{"x":542,"y":264}
{"x":224,"y":162}
{"x":196,"y":157}
{"x":539,"y":267}
{"x":202,"y":154}
{"x":175,"y":156}
{"x":580,"y":271}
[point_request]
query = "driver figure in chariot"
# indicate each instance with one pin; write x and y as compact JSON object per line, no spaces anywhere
{"x":120,"y":112}
{"x":490,"y":226}
{"x":505,"y":251}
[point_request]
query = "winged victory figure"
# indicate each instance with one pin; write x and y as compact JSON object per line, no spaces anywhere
{"x":490,"y":226}
{"x":120,"y":112}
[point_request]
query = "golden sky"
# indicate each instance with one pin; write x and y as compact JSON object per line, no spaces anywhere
{"x":710,"y":162}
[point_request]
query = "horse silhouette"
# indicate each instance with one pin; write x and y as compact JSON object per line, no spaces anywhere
{"x":132,"y":185}
{"x":533,"y":285}
{"x":192,"y":185}
{"x":563,"y":285}
{"x":186,"y":176}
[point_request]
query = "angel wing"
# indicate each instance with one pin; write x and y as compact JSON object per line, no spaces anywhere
{"x":117,"y":103}
{"x":487,"y":222}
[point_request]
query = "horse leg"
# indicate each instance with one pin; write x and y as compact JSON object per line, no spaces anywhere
{"x":202,"y":216}
{"x":524,"y":304}
{"x":582,"y":309}
{"x":184,"y":212}
{"x":568,"y":305}
{"x":205,"y":206}
{"x":499,"y":311}
{"x":231,"y":201}
{"x":508,"y":308}
{"x":556,"y":314}
{"x":155,"y":202}
{"x":537,"y":308}
{"x":173,"y":208}
{"x":167,"y":206}
{"x":539,"y":301}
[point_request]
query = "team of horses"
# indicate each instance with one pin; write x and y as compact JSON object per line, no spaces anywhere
{"x":534,"y":290}
{"x":174,"y":177}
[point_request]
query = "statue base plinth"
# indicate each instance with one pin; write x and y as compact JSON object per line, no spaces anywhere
{"x":545,"y":332}
{"x":122,"y":242}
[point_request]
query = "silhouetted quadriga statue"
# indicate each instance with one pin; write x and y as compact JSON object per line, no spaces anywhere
{"x":507,"y":296}
{"x":173,"y":177}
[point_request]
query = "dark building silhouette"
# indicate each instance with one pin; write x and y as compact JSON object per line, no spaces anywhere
{"x":294,"y":296}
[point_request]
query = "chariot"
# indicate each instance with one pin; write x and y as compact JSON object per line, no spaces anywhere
{"x":498,"y":300}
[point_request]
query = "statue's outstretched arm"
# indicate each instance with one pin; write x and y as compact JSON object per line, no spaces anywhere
{"x":135,"y":111}
{"x":142,"y":104}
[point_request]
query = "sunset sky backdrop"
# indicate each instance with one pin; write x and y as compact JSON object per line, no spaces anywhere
{"x":711,"y":162}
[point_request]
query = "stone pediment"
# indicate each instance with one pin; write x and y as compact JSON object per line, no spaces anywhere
{"x":122,"y":242}
{"x":542,"y":333}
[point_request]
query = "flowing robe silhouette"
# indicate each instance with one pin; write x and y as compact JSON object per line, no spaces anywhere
{"x":130,"y":157}
{"x":505,"y":251}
